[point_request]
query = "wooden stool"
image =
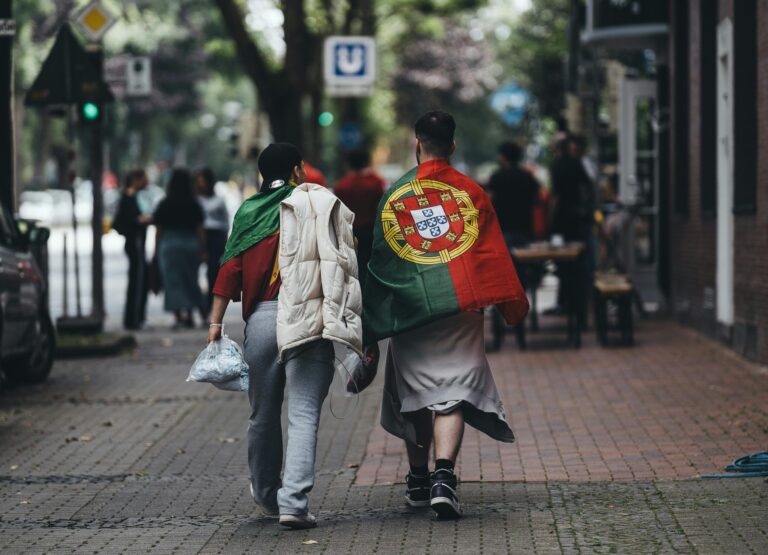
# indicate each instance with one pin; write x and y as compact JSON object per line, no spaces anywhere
{"x":615,"y":288}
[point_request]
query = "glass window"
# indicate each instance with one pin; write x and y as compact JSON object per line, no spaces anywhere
{"x":745,"y":106}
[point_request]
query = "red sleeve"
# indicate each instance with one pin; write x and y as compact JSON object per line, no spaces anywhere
{"x":229,"y":282}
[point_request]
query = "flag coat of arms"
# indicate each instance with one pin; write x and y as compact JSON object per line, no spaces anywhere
{"x":437,"y":250}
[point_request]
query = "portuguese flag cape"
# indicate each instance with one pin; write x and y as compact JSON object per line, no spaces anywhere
{"x":257,"y":218}
{"x":437,"y":250}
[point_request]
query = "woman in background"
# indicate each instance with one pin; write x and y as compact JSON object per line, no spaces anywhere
{"x":216,"y":224}
{"x":181,"y":247}
{"x":131,"y":223}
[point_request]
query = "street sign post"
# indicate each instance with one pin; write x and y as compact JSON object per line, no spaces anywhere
{"x":511,"y":102}
{"x":7,"y":158}
{"x":138,"y":77}
{"x":94,"y":20}
{"x":349,"y":66}
{"x":7,"y":27}
{"x":69,"y":75}
{"x":350,"y":135}
{"x":73,"y":75}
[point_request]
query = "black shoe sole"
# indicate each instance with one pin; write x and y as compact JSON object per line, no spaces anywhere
{"x":445,"y":508}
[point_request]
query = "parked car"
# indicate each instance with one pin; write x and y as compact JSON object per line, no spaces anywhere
{"x":27,"y":336}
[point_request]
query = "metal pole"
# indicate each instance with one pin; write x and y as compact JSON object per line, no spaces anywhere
{"x":65,"y":266}
{"x":7,"y":197}
{"x":71,"y":186}
{"x":97,"y":221}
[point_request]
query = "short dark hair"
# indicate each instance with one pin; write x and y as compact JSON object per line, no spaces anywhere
{"x":132,"y":176}
{"x":435,"y":131}
{"x":208,"y":177}
{"x":512,"y":151}
{"x":579,"y":140}
{"x":358,"y":158}
{"x":277,"y":162}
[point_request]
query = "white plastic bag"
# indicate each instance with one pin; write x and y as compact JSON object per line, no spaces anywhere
{"x":221,"y":363}
{"x":347,"y":362}
{"x":341,"y":402}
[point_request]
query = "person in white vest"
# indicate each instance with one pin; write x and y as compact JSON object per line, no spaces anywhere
{"x":290,"y":260}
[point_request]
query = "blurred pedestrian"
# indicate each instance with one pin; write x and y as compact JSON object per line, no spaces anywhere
{"x":361,"y":190}
{"x":514,"y":192}
{"x":577,"y":148}
{"x":571,"y":193}
{"x":438,"y":258}
{"x":573,"y":215}
{"x":131,"y":223}
{"x":181,"y":247}
{"x":216,"y":224}
{"x":314,"y":175}
{"x":294,"y":238}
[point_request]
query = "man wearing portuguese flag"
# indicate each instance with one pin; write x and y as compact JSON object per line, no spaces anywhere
{"x":438,"y":258}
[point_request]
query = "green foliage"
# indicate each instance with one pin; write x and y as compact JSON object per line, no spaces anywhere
{"x":428,"y":57}
{"x":536,"y":52}
{"x":191,"y":54}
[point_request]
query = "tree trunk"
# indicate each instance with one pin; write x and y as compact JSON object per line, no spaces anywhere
{"x":281,"y":92}
{"x":283,"y":108}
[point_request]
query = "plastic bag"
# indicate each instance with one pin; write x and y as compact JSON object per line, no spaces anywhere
{"x":347,"y":362}
{"x":221,"y":363}
{"x":341,"y":402}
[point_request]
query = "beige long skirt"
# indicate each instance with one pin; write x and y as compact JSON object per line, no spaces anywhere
{"x":438,"y":364}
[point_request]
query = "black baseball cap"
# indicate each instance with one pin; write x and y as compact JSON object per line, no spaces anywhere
{"x":278,"y":160}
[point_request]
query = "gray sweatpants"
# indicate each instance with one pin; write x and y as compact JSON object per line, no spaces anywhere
{"x":307,"y":371}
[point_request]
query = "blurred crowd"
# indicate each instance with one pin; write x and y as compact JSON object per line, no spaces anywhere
{"x":192,"y":219}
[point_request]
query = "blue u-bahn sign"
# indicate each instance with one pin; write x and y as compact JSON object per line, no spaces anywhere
{"x":511,"y":102}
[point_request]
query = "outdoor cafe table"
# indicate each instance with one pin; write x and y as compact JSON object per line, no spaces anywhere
{"x":568,"y":258}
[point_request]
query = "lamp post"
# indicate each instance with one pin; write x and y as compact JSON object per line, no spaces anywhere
{"x":7,"y":197}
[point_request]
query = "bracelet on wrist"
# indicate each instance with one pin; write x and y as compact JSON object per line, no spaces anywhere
{"x":212,"y":324}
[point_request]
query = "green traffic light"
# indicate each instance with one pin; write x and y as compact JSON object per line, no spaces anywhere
{"x":90,"y":111}
{"x":325,"y":119}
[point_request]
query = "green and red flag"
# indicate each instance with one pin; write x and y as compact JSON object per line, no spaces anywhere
{"x":437,"y":250}
{"x":257,"y":218}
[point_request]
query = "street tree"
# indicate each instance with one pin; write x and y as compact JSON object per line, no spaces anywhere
{"x":536,"y":52}
{"x":284,"y":85}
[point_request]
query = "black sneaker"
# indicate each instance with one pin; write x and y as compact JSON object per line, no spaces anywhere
{"x":417,"y":490}
{"x":443,"y":498}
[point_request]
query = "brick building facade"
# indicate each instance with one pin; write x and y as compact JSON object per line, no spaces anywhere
{"x":722,"y":182}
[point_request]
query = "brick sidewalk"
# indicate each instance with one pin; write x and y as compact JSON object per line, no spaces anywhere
{"x":122,"y":456}
{"x":674,"y":406}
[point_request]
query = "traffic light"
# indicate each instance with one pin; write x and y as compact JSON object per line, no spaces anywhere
{"x":90,"y":112}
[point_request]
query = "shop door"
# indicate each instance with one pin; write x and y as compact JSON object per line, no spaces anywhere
{"x":639,"y":184}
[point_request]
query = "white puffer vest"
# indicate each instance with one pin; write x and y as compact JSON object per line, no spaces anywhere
{"x":320,"y":293}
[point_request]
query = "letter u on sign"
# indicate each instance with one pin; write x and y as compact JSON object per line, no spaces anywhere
{"x":350,"y":59}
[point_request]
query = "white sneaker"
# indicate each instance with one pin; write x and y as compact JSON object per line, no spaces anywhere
{"x":298,"y":522}
{"x":265,"y":510}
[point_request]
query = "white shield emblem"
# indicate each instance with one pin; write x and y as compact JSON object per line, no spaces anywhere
{"x":431,"y":222}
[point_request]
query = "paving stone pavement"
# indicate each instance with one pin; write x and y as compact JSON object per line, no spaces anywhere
{"x":674,"y":406}
{"x":123,"y":456}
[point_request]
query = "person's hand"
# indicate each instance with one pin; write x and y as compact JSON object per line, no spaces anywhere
{"x":145,"y":220}
{"x":364,"y":375}
{"x":214,"y":333}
